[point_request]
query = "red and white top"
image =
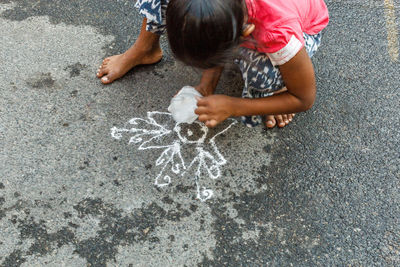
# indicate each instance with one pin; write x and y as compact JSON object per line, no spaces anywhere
{"x":280,"y":24}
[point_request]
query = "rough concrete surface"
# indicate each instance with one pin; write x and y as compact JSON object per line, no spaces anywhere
{"x":323,"y":191}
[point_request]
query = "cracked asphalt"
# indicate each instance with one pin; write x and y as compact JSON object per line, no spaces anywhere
{"x":323,"y":191}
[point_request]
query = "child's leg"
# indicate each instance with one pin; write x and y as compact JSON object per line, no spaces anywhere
{"x":146,"y":49}
{"x":262,"y":79}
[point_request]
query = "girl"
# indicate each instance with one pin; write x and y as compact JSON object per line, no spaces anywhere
{"x":275,"y":40}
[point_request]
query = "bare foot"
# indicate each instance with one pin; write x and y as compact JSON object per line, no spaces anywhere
{"x":146,"y":50}
{"x":115,"y":67}
{"x":280,"y":120}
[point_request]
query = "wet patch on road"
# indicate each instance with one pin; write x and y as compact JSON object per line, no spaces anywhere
{"x":114,"y":228}
{"x":75,"y":69}
{"x":41,"y":81}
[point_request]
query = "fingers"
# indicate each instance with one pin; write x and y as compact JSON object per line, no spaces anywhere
{"x":208,"y":121}
{"x":201,"y":110}
{"x":203,"y":117}
{"x":206,"y":112}
{"x":201,"y":101}
{"x":211,"y":123}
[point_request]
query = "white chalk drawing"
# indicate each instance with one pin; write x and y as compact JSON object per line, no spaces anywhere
{"x":208,"y":160}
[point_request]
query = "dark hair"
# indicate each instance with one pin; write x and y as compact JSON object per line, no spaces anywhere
{"x":204,"y":33}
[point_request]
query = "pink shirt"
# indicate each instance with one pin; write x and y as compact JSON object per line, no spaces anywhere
{"x":279,"y":25}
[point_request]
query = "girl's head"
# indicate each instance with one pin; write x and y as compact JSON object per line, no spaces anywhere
{"x":204,"y":33}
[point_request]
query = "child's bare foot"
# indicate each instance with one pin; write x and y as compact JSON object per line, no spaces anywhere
{"x":146,"y":50}
{"x":280,"y":120}
{"x":115,"y":67}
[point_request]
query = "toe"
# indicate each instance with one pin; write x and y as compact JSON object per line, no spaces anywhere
{"x":107,"y":79}
{"x":291,"y":117}
{"x":101,"y":71}
{"x":285,"y":119}
{"x":280,"y":121}
{"x":270,"y":121}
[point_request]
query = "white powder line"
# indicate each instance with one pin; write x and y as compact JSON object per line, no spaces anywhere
{"x":392,"y":33}
{"x":209,"y":162}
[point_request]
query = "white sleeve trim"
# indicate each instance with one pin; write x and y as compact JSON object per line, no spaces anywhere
{"x":286,"y":53}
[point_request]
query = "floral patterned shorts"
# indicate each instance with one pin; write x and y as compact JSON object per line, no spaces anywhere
{"x":155,"y":13}
{"x":261,"y":78}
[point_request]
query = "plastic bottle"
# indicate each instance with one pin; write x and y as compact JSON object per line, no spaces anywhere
{"x":183,"y":105}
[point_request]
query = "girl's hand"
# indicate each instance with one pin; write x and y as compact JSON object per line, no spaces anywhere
{"x":214,"y":109}
{"x":204,"y":91}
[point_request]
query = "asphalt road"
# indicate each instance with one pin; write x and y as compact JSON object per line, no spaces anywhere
{"x":74,"y":191}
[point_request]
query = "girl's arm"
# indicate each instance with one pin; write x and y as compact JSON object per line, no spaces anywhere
{"x":209,"y":81}
{"x":298,"y":75}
